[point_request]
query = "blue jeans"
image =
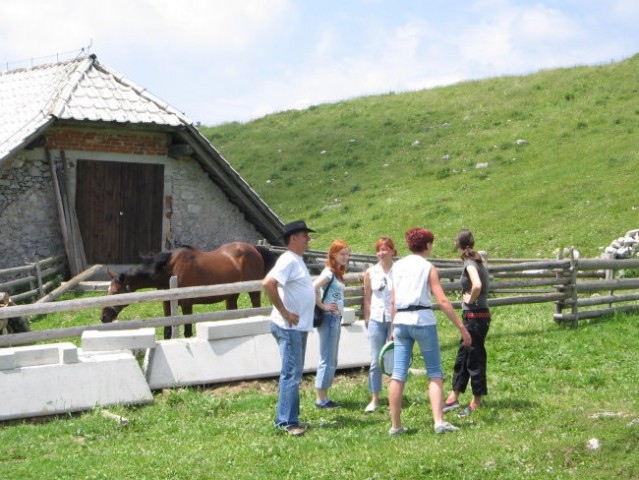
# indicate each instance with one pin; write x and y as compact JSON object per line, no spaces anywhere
{"x":426,"y":336}
{"x":329,"y":332}
{"x":292,"y":345}
{"x":377,"y":337}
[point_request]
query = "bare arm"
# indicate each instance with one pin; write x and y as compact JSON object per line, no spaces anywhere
{"x":318,"y":283}
{"x":470,"y":298}
{"x":270,"y":287}
{"x":446,"y":307}
{"x":368,"y":293}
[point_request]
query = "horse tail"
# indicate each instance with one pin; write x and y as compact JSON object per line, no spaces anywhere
{"x":267,"y":257}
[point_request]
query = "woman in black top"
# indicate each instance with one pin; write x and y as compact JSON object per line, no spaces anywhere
{"x":470,"y":364}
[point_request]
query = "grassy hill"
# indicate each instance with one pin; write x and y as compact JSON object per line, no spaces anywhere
{"x":529,"y":163}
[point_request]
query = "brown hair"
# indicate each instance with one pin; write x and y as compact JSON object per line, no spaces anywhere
{"x":466,"y":243}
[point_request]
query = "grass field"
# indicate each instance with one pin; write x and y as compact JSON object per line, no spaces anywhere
{"x":530,"y":163}
{"x":552,"y":389}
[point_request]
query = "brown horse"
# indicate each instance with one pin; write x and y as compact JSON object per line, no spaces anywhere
{"x":233,"y":262}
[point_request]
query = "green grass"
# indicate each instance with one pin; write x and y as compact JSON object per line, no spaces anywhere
{"x":552,"y":388}
{"x":351,"y":170}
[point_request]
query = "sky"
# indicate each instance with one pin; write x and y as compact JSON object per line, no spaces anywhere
{"x":220,"y":61}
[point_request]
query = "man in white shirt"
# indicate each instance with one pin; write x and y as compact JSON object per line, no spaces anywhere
{"x":290,"y":289}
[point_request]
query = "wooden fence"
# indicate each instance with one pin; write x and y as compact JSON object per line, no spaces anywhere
{"x":579,"y":289}
{"x":34,"y":280}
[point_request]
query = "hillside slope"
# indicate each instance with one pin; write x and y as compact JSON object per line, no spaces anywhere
{"x":529,"y":163}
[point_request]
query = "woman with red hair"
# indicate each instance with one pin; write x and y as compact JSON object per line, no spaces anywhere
{"x":332,"y":280}
{"x":415,"y":281}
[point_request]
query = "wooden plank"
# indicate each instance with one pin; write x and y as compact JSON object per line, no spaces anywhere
{"x":62,"y":218}
{"x":156,"y":322}
{"x":88,"y":273}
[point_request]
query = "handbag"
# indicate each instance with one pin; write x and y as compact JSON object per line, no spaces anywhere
{"x":318,"y":314}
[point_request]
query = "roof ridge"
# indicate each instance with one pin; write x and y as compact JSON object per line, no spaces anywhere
{"x":64,"y":94}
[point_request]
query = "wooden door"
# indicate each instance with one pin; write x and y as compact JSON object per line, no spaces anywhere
{"x":119,"y":208}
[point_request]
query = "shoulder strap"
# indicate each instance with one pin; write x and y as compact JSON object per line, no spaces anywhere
{"x":327,"y":286}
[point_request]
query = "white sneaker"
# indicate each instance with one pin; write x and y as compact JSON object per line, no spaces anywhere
{"x":445,"y":427}
{"x":393,"y":432}
{"x":371,"y":407}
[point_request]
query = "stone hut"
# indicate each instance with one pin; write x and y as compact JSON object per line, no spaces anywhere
{"x":96,"y":168}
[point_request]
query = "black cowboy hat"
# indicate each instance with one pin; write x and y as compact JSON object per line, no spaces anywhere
{"x":294,"y":227}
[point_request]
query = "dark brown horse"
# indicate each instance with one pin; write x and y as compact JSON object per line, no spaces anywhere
{"x":233,"y":262}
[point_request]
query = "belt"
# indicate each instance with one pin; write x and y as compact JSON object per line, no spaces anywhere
{"x":413,"y":308}
{"x":472,"y":315}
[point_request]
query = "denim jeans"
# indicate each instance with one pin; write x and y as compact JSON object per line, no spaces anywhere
{"x":329,"y":332}
{"x":426,"y":336}
{"x":292,"y":345}
{"x":377,"y":337}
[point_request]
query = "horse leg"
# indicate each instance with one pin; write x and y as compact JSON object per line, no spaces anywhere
{"x":187,"y":309}
{"x":231,"y":301}
{"x":166,"y":306}
{"x":256,"y":299}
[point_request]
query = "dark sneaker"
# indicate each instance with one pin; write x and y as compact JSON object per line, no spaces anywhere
{"x":294,"y":430}
{"x":450,"y":406}
{"x":466,"y":411}
{"x":328,"y":405}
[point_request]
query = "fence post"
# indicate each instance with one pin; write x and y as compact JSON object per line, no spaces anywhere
{"x":39,"y":278}
{"x":573,"y":285}
{"x":560,"y":304}
{"x":609,"y":274}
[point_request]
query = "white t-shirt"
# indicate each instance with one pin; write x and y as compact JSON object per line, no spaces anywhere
{"x":381,"y":288}
{"x":411,"y":287}
{"x":295,"y":288}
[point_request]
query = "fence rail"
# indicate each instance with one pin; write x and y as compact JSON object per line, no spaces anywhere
{"x":584,"y":289}
{"x":33,"y":280}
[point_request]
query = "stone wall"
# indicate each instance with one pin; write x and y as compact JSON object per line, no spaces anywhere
{"x":196,"y":212}
{"x":29,"y":228}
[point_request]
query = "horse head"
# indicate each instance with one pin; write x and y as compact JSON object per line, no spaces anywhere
{"x":119,"y":284}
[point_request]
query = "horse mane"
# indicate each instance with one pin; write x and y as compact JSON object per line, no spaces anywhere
{"x":151,"y":264}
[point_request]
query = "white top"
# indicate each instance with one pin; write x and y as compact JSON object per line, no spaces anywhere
{"x":411,"y":286}
{"x":295,"y":287}
{"x":381,"y":288}
{"x":335,"y":290}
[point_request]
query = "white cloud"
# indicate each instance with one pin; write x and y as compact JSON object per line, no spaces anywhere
{"x":35,"y":27}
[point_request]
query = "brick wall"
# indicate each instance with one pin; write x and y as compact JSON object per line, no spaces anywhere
{"x":109,"y":141}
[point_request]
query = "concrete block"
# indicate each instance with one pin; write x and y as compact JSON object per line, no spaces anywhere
{"x":348,"y":316}
{"x":233,"y":328}
{"x":68,"y":353}
{"x":95,"y":380}
{"x":138,"y":339}
{"x":194,"y":361}
{"x":33,"y":355}
{"x":7,"y":359}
